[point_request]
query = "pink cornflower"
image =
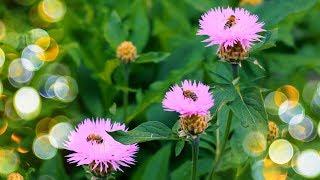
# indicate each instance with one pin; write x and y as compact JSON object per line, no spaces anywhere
{"x":93,"y":146}
{"x":191,"y":98}
{"x":233,"y":30}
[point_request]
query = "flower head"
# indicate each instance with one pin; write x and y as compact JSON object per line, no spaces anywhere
{"x":234,"y":30}
{"x":191,"y":98}
{"x":273,"y":132}
{"x":93,"y":146}
{"x":127,"y":52}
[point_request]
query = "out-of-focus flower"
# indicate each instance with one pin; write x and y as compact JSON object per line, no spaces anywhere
{"x":127,"y":52}
{"x":191,"y":98}
{"x":273,"y":132}
{"x":251,"y":2}
{"x":93,"y":146}
{"x":233,"y":30}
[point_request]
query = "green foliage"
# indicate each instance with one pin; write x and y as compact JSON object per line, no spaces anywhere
{"x":164,"y":32}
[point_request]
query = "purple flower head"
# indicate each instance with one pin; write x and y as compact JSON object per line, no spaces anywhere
{"x":91,"y":145}
{"x":191,"y":98}
{"x":226,"y":27}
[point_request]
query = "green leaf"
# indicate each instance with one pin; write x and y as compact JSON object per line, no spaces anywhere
{"x":151,"y":57}
{"x":222,"y":95}
{"x":179,"y":147}
{"x":273,"y":11}
{"x":248,"y":107}
{"x":109,"y":67}
{"x":114,"y":31}
{"x":91,"y":97}
{"x":140,"y":25}
{"x":269,"y":40}
{"x":148,"y":131}
{"x":158,"y":165}
{"x":183,"y":172}
{"x":54,"y":167}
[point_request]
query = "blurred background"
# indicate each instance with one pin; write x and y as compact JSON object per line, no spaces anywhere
{"x":58,"y":66}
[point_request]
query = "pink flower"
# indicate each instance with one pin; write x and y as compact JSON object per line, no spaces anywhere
{"x":93,"y":146}
{"x":228,"y":27}
{"x":191,"y":98}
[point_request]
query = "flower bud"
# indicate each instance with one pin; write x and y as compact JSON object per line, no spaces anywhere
{"x":194,"y":124}
{"x":127,"y":52}
{"x":233,"y":54}
{"x":273,"y":132}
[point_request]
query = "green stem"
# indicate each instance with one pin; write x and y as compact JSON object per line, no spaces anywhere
{"x":125,"y":92}
{"x":195,"y":153}
{"x":235,"y":70}
{"x":221,"y":145}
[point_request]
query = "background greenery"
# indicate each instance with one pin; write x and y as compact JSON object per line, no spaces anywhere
{"x":164,"y":32}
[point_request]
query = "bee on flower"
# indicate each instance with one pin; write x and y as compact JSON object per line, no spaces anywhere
{"x":233,"y":30}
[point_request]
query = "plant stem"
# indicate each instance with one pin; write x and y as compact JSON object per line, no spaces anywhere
{"x":195,"y":153}
{"x":221,"y":145}
{"x":125,"y":92}
{"x":235,"y":70}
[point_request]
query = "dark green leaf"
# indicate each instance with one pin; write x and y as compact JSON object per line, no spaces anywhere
{"x":148,"y":131}
{"x":151,"y":57}
{"x":179,"y":147}
{"x":158,"y":165}
{"x":114,"y":31}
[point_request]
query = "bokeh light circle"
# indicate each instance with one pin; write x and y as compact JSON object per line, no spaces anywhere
{"x":2,"y":58}
{"x":291,"y":94}
{"x":308,"y":163}
{"x":59,"y":134}
{"x":3,"y":126}
{"x":51,"y":10}
{"x":32,"y":57}
{"x":42,"y":148}
{"x":254,"y":144}
{"x":51,"y":52}
{"x":280,"y":151}
{"x":291,"y":114}
{"x":302,"y":130}
{"x":65,"y":88}
{"x":2,"y":30}
{"x":27,"y":103}
{"x":38,"y":37}
{"x":9,"y":161}
{"x":18,"y":73}
{"x":272,"y":100}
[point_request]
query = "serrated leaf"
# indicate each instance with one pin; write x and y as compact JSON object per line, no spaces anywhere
{"x":151,"y":57}
{"x":114,"y":31}
{"x":269,"y":40}
{"x":148,"y":131}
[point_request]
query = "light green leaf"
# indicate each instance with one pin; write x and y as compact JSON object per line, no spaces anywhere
{"x":269,"y":40}
{"x":54,"y":167}
{"x":148,"y":131}
{"x":151,"y":57}
{"x":110,"y":66}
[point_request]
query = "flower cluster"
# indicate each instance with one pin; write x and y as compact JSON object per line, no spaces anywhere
{"x":192,"y":101}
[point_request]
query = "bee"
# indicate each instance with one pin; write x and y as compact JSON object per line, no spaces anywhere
{"x":231,"y":22}
{"x":95,"y":138}
{"x":189,"y":94}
